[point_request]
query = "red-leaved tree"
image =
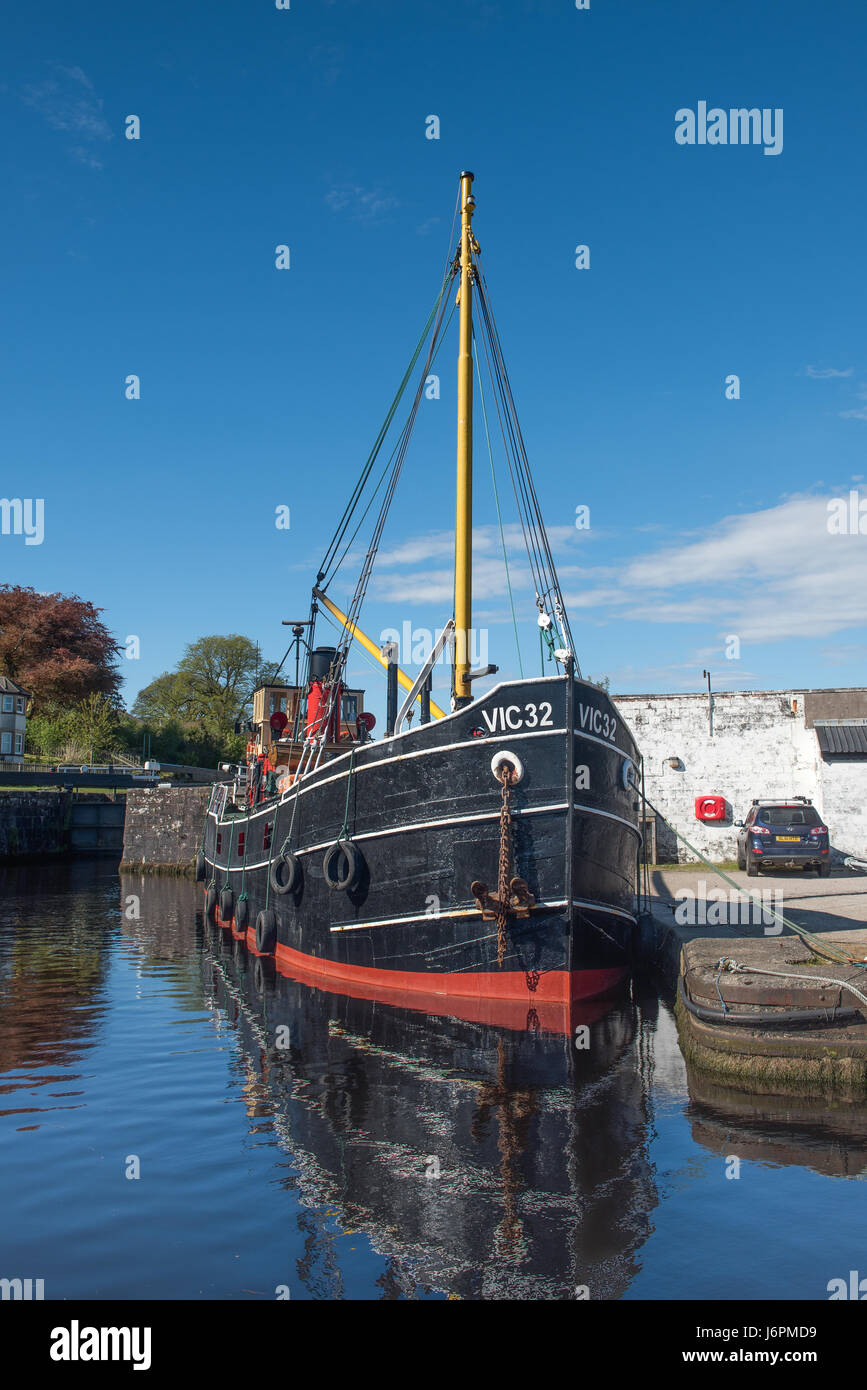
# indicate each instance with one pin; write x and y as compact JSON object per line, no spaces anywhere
{"x":55,"y":646}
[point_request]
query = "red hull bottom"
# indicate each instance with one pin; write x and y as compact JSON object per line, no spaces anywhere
{"x":504,"y":998}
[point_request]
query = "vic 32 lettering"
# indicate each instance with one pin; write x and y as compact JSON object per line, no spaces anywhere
{"x":511,"y":717}
{"x":595,"y":722}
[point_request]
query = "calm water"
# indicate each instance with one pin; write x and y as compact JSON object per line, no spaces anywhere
{"x":344,"y":1149}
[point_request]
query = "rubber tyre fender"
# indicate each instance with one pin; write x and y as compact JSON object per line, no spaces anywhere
{"x":227,"y":905}
{"x":343,"y":855}
{"x":291,"y":880}
{"x":201,"y":867}
{"x":210,"y":902}
{"x":242,"y":913}
{"x":266,"y":931}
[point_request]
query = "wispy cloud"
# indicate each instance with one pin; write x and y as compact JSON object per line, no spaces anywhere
{"x":857,"y":412}
{"x":824,"y":373}
{"x":436,"y":545}
{"x":678,"y":675}
{"x":360,"y":204}
{"x":67,"y":102}
{"x":766,"y":576}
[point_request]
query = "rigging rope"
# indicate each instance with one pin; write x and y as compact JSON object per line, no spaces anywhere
{"x":339,"y":662}
{"x":497,"y":505}
{"x":385,"y":470}
{"x":535,"y":536}
{"x":327,"y":568}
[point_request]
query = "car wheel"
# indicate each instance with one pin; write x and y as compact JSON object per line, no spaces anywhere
{"x":752,"y":869}
{"x":742,"y":863}
{"x":824,"y":871}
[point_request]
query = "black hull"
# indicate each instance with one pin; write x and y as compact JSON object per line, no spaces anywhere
{"x":423,"y":809}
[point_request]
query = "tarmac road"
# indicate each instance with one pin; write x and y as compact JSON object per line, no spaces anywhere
{"x":818,"y":904}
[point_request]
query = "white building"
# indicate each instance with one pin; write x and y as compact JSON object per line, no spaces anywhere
{"x":746,"y":744}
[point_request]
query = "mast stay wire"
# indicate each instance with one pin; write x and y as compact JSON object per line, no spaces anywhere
{"x":525,"y":490}
{"x":324,"y":577}
{"x":384,"y":472}
{"x":550,"y":587}
{"x":532,"y":551}
{"x":499,"y":514}
{"x":316,"y":736}
{"x":367,"y":568}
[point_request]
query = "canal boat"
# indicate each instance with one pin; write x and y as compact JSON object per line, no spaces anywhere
{"x":487,"y":852}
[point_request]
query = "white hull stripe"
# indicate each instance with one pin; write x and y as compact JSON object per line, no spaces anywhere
{"x":400,"y":829}
{"x":431,"y":825}
{"x":292,"y":794}
{"x":474,"y":912}
{"x":609,"y":815}
{"x":304,"y":788}
{"x":603,"y":742}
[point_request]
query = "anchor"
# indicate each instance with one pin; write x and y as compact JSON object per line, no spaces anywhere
{"x":518,"y":901}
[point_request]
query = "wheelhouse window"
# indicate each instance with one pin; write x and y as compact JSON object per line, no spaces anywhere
{"x":350,"y":708}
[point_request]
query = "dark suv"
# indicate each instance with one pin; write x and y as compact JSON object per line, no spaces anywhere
{"x":783,"y":834}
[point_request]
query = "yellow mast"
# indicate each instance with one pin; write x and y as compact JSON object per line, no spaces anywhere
{"x":464,"y":515}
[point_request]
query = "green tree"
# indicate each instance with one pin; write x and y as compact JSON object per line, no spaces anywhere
{"x":49,"y":731}
{"x":211,"y":688}
{"x":93,"y":725}
{"x":160,"y":702}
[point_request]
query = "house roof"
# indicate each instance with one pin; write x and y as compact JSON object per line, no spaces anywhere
{"x":8,"y":687}
{"x":843,"y":737}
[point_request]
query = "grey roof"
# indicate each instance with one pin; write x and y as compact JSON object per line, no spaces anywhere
{"x":848,"y":738}
{"x":8,"y":687}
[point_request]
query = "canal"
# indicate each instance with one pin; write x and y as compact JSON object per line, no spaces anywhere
{"x":178,"y":1121}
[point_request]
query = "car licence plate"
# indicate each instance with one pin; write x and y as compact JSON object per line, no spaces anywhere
{"x":796,"y":838}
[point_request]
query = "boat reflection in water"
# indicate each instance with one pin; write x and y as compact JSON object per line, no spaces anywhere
{"x":485,"y":1157}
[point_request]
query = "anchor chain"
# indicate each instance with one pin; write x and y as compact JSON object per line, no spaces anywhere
{"x":513,"y":898}
{"x":507,"y":773}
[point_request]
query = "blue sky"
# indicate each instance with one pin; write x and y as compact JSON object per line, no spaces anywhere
{"x":260,"y":387}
